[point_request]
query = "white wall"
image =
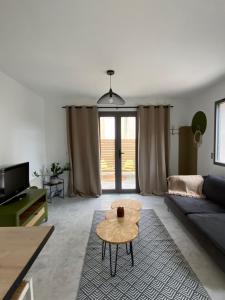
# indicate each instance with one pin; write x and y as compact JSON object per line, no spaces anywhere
{"x":55,"y":124}
{"x":205,"y":101}
{"x":34,"y":130}
{"x":22,"y":136}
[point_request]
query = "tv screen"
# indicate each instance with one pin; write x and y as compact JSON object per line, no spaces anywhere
{"x":13,"y":180}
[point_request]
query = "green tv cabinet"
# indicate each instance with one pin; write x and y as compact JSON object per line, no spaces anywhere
{"x":31,"y":210}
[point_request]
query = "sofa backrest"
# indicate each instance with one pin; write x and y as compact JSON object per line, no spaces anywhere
{"x":214,"y":189}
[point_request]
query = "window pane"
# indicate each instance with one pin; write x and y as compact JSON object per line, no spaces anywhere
{"x":220,"y":133}
{"x":107,"y":135}
{"x":128,"y":163}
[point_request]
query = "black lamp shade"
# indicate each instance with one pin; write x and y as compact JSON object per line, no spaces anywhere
{"x":111,"y":98}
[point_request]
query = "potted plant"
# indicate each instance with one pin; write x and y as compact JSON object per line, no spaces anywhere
{"x":55,"y":170}
{"x":44,"y":173}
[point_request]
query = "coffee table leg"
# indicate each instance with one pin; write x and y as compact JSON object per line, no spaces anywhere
{"x":131,"y":253}
{"x":128,"y":252}
{"x":103,"y":249}
{"x":110,"y":257}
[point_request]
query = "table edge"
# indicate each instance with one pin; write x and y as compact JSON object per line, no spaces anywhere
{"x":26,"y":268}
{"x":125,"y":242}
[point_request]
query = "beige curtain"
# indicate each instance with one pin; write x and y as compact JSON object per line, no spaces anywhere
{"x":153,"y":148}
{"x":83,"y":149}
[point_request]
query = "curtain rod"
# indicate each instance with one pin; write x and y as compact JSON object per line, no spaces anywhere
{"x":117,"y":107}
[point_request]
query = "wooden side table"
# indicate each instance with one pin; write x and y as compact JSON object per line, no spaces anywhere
{"x":55,"y":189}
{"x":116,"y":231}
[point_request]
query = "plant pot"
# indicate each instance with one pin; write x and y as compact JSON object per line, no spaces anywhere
{"x":54,"y":179}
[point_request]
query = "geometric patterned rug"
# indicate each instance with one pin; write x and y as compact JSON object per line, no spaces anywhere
{"x":160,"y":271}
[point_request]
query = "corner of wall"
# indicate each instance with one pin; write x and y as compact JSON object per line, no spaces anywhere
{"x":22,"y":123}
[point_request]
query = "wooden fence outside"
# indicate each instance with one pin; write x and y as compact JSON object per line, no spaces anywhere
{"x":108,"y":155}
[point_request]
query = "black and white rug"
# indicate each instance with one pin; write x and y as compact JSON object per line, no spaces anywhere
{"x":160,"y":271}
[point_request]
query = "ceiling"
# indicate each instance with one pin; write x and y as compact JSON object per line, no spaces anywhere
{"x":157,"y":47}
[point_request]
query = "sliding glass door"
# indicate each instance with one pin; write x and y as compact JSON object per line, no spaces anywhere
{"x":118,"y":151}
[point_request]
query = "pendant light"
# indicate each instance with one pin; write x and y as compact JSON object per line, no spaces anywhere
{"x":111,"y":97}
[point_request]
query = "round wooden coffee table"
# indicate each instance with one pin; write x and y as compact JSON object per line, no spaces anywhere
{"x":131,"y":215}
{"x":116,"y":231}
{"x":129,"y":203}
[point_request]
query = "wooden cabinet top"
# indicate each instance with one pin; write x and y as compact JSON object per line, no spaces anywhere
{"x":21,"y":205}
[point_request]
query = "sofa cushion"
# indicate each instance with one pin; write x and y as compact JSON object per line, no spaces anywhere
{"x":214,"y":189}
{"x":212,"y":225}
{"x":195,"y":205}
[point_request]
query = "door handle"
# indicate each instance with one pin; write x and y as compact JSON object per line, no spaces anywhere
{"x":120,"y":153}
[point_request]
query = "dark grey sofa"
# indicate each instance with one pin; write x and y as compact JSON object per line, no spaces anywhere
{"x":205,"y":218}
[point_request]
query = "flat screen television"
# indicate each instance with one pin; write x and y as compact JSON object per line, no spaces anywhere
{"x":13,"y":180}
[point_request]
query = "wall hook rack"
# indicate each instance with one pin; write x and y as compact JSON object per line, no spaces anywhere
{"x":174,"y":130}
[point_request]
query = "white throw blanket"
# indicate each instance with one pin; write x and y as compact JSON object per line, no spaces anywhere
{"x":186,"y":185}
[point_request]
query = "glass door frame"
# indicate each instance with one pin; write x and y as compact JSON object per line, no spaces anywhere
{"x":118,"y":145}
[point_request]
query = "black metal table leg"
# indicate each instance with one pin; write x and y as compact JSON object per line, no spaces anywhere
{"x":131,"y":253}
{"x":50,"y":194}
{"x":103,"y":249}
{"x":63,"y":192}
{"x":110,"y":257}
{"x":128,"y":252}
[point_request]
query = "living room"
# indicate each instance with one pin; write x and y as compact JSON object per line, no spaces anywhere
{"x":105,"y":105}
